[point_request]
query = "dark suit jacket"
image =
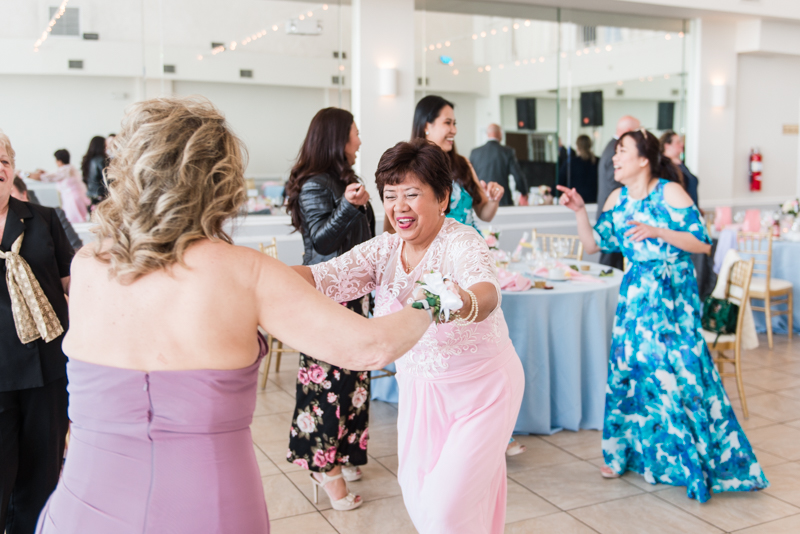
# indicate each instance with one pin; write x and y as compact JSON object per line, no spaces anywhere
{"x":582,"y":176}
{"x":49,"y":254}
{"x":605,"y":175}
{"x":493,"y":162}
{"x":691,"y":183}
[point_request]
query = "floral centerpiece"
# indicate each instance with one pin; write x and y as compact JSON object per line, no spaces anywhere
{"x":492,"y":239}
{"x":546,"y":194}
{"x":791,"y":207}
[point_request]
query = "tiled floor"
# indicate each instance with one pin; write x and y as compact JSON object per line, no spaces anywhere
{"x":555,"y":487}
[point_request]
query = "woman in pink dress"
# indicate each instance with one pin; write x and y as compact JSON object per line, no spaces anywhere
{"x":69,"y":182}
{"x":461,"y":386}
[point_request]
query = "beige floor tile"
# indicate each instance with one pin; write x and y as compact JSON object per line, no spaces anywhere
{"x":573,"y":485}
{"x":382,"y":413}
{"x":389,"y":462}
{"x":384,"y":516}
{"x":780,"y":440}
{"x":271,"y":428}
{"x":284,"y":499}
{"x":307,"y":524}
{"x":585,"y":444}
{"x":382,"y":440}
{"x":560,"y":523}
{"x":770,"y":379}
{"x":377,"y":483}
{"x":792,"y":393}
{"x":751,"y":423}
{"x":265,"y":465}
{"x":523,"y":504}
{"x":641,"y":514}
{"x":732,"y":511}
{"x":539,"y":454}
{"x":733,"y":390}
{"x":775,"y":407}
{"x":767,"y":459}
{"x":272,"y":402}
{"x":276,"y":451}
{"x":789,"y":525}
{"x":792,"y":367}
{"x":784,"y":482}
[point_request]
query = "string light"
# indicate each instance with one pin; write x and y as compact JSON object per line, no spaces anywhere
{"x":455,"y":72}
{"x":46,"y":33}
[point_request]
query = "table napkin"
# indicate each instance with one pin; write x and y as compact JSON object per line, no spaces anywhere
{"x":510,"y":281}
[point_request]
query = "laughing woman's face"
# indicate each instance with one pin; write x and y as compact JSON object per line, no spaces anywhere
{"x":6,"y":175}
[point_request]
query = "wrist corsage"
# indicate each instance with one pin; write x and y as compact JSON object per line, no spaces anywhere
{"x":437,"y":297}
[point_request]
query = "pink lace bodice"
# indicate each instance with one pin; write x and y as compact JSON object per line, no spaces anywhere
{"x":457,"y":251}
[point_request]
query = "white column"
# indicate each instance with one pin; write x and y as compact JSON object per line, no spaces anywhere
{"x":383,"y":36}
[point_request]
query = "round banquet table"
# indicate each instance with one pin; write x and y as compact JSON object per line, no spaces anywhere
{"x":563,"y":338}
{"x":786,"y":266}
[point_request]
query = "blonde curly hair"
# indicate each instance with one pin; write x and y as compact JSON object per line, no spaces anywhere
{"x":6,"y":143}
{"x":176,"y":177}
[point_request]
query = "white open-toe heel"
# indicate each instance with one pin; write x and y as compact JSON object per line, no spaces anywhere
{"x":351,"y":473}
{"x":348,"y":502}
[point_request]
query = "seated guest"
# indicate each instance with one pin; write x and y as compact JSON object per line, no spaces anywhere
{"x":580,"y":171}
{"x":672,"y":148}
{"x":70,"y":185}
{"x":494,"y":162}
{"x":164,"y":347}
{"x":35,"y":254}
{"x":20,"y":192}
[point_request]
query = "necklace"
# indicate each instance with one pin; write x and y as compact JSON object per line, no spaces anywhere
{"x":407,"y":267}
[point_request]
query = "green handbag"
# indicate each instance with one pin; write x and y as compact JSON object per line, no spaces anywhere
{"x":719,"y":316}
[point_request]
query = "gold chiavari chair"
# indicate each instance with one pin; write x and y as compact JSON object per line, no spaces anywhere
{"x":575,"y":251}
{"x":271,"y":250}
{"x":773,"y":291}
{"x":738,"y":292}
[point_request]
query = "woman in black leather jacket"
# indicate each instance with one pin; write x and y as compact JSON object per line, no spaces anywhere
{"x":94,"y":161}
{"x":330,"y":206}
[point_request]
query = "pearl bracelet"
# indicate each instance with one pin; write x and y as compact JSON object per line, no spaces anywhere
{"x":473,"y":313}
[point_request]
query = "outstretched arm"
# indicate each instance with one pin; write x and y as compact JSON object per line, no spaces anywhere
{"x":572,"y":200}
{"x":299,"y":315}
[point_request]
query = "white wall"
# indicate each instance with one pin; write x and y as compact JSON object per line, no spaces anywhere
{"x":41,"y":114}
{"x":768,"y":89}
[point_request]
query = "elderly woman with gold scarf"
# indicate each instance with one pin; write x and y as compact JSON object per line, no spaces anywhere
{"x":35,"y":257}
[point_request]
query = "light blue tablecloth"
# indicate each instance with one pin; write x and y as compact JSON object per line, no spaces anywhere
{"x":563,"y":338}
{"x":786,"y":266}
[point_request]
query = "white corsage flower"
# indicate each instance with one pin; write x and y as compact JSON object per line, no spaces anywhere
{"x":436,"y":284}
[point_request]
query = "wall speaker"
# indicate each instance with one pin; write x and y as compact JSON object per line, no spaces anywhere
{"x":666,"y":115}
{"x":526,"y":113}
{"x":592,"y":108}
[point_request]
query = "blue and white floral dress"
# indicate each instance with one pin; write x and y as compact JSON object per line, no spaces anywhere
{"x":667,"y":416}
{"x":461,"y":206}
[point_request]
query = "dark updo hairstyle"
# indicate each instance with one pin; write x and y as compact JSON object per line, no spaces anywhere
{"x":322,"y":153}
{"x":62,"y":155}
{"x":649,"y":147}
{"x":97,"y":147}
{"x":419,"y":157}
{"x":427,"y":111}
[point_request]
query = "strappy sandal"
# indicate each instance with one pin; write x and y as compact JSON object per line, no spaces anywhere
{"x":348,"y":502}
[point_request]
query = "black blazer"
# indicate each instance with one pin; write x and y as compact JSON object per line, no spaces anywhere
{"x":331,"y":225}
{"x":605,"y":175}
{"x":46,"y":249}
{"x":493,"y":162}
{"x":582,"y":176}
{"x":94,"y":182}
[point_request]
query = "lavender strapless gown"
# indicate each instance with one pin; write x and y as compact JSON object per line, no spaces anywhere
{"x":160,"y":452}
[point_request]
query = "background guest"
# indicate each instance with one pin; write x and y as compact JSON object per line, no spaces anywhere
{"x":582,"y":173}
{"x":20,"y":192}
{"x":435,"y":121}
{"x":74,"y":201}
{"x":494,"y":162}
{"x":33,"y":383}
{"x":672,"y":147}
{"x":606,"y":183}
{"x":94,"y":163}
{"x":330,"y":206}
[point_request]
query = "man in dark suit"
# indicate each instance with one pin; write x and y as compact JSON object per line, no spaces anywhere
{"x":605,"y":179}
{"x":493,"y":162}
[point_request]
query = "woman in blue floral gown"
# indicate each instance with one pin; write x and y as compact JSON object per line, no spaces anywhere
{"x":667,"y":416}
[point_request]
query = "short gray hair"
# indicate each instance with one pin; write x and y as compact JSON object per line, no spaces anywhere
{"x":5,"y":142}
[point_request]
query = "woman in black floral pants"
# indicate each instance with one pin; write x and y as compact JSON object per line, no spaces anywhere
{"x":329,"y":204}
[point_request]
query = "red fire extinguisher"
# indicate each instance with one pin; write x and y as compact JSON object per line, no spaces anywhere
{"x":756,"y":165}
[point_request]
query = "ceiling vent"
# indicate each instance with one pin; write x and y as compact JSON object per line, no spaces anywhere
{"x":76,"y":63}
{"x":307,"y":26}
{"x":217,"y":45}
{"x":169,"y":69}
{"x":675,"y":92}
{"x":335,"y":80}
{"x":427,"y":82}
{"x":91,"y":36}
{"x":68,"y":23}
{"x":620,"y":92}
{"x":336,"y":54}
{"x":245,"y":73}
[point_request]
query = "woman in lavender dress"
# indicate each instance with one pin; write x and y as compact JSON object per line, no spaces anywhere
{"x":163,"y":342}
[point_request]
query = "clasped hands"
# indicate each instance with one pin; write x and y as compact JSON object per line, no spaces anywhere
{"x":494,"y":191}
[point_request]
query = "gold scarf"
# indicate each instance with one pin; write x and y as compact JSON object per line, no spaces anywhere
{"x":33,"y":314}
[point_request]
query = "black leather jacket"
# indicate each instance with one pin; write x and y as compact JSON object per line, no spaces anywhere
{"x":94,"y":182}
{"x":331,"y":225}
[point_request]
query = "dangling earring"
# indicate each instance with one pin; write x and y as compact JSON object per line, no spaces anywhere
{"x":426,"y":132}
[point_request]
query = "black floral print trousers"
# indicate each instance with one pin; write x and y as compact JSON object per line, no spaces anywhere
{"x":330,"y":426}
